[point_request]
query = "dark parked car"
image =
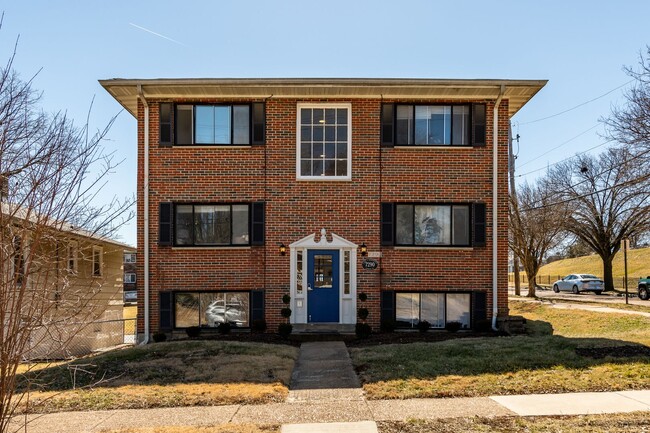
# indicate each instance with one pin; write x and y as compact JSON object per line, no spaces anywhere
{"x":577,"y":283}
{"x":644,"y":284}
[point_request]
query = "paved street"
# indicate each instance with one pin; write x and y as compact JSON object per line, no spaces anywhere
{"x":605,"y":298}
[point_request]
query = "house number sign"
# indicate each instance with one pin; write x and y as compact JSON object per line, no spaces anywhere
{"x":370,"y":264}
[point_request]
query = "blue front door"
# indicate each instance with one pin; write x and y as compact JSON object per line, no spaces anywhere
{"x":323,"y":286}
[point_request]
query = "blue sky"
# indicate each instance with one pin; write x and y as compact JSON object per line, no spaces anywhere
{"x":579,"y":46}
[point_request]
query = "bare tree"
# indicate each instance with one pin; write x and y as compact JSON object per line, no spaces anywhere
{"x":608,"y":198}
{"x":50,"y":173}
{"x":535,"y":227}
{"x":630,"y":124}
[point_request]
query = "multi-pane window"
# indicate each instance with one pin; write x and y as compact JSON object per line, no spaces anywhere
{"x":129,"y":257}
{"x":432,"y":225}
{"x":436,"y":308}
{"x":212,"y":224}
{"x":299,"y":272}
{"x":72,"y":256}
{"x":213,"y":124}
{"x":129,"y":277}
{"x":346,"y":272}
{"x":19,"y":261}
{"x":210,"y":309}
{"x":324,"y":140}
{"x":432,"y":125}
{"x":97,"y":261}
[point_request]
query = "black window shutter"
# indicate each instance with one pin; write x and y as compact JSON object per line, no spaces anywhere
{"x":387,"y":225}
{"x":388,"y":306}
{"x":479,"y":224}
{"x":257,"y":223}
{"x":165,"y":111}
{"x":165,"y":321}
{"x":259,"y":123}
{"x":257,"y":305}
{"x":165,"y":236}
{"x":479,"y":307}
{"x":387,"y":125}
{"x":478,"y":120}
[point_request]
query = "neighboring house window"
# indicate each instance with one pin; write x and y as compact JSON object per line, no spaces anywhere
{"x":19,"y":261}
{"x":436,"y":308}
{"x":97,"y":261}
{"x":324,"y":141}
{"x":432,"y":225}
{"x":72,"y":257}
{"x":210,"y":309}
{"x":129,"y":278}
{"x":212,"y":224}
{"x":433,"y":125}
{"x":129,"y":257}
{"x":213,"y":124}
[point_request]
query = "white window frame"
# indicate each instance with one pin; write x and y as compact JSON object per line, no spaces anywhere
{"x":131,"y":258}
{"x":128,"y":279}
{"x":101,"y":261}
{"x":324,"y":105}
{"x":73,"y":254}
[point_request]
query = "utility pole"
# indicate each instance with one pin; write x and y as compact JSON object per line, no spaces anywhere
{"x":511,"y":169}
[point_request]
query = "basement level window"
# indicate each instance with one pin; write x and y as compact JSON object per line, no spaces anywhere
{"x":436,"y":308}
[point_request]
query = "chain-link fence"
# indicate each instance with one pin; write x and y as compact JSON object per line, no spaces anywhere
{"x":548,"y":280}
{"x":66,"y":340}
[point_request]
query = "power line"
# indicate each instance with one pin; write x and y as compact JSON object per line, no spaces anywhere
{"x":577,"y":106}
{"x":559,"y":145}
{"x":565,"y":159}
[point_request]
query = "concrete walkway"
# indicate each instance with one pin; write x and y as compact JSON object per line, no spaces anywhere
{"x":325,"y":396}
{"x":568,"y":305}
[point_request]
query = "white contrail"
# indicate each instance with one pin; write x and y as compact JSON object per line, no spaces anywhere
{"x":157,"y":34}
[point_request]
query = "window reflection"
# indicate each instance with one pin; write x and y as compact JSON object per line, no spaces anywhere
{"x":210,"y":309}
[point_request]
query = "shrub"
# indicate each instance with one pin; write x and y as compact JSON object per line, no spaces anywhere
{"x":286,"y":299}
{"x":286,"y":312}
{"x":362,"y":330}
{"x":363,"y":297}
{"x":285,"y":329}
{"x":423,"y":326}
{"x":363,"y":313}
{"x":453,"y":326}
{"x":224,"y":328}
{"x":387,"y":325}
{"x":483,"y":325}
{"x":258,"y":325}
{"x":159,"y":337}
{"x":193,"y":331}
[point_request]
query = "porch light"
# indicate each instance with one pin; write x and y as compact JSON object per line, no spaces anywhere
{"x":283,"y":249}
{"x":364,"y":250}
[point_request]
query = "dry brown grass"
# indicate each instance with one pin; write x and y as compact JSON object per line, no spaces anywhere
{"x":191,"y":373}
{"x":222,"y":428}
{"x":155,"y":396}
{"x":539,"y":363}
{"x":611,"y":423}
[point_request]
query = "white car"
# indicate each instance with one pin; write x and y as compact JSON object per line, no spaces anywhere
{"x":577,"y":283}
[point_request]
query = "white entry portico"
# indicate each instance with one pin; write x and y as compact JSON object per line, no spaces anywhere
{"x":323,"y":272}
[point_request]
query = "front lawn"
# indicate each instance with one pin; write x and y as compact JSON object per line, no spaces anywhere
{"x":571,"y":360}
{"x":191,"y":373}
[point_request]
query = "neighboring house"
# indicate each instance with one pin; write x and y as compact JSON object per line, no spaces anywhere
{"x":250,"y":189}
{"x":70,"y":283}
{"x":130,"y":277}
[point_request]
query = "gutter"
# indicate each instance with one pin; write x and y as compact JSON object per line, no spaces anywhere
{"x":146,"y":214}
{"x":495,"y":203}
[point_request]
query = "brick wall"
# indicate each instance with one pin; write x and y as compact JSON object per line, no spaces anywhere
{"x":295,"y":209}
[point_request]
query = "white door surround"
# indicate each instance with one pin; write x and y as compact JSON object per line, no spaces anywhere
{"x":347,"y":266}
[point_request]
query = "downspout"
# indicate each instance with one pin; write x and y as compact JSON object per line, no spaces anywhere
{"x":495,"y":203}
{"x":146,"y":214}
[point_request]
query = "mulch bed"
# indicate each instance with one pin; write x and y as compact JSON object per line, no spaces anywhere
{"x":398,"y":337}
{"x":627,"y":351}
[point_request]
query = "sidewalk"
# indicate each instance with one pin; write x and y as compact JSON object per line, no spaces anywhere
{"x":325,"y":396}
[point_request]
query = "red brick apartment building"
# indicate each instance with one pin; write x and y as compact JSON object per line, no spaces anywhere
{"x":346,"y":194}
